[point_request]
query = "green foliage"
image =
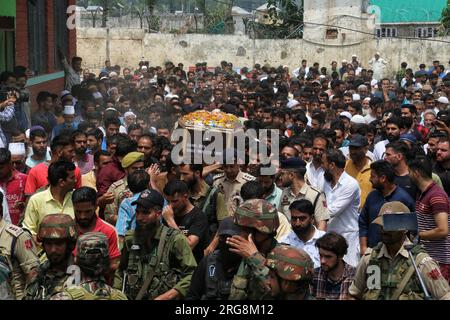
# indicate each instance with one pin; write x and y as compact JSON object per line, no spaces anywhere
{"x":288,"y":18}
{"x":445,"y":18}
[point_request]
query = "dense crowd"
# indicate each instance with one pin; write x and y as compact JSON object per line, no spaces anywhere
{"x":96,"y":206}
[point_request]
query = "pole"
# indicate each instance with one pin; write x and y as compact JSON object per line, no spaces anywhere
{"x":408,"y":248}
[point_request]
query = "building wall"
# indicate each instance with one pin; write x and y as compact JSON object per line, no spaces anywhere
{"x":127,"y":47}
{"x":41,"y":83}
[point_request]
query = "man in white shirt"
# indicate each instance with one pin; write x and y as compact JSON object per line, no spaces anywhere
{"x":343,"y":196}
{"x":304,"y":234}
{"x":378,"y":66}
{"x":393,"y":125}
{"x":314,"y":169}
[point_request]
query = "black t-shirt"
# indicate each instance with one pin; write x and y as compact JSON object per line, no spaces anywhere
{"x":444,"y":174}
{"x":195,"y":223}
{"x":407,"y":185}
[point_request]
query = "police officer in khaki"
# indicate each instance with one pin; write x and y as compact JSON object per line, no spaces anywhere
{"x":293,"y":180}
{"x":131,"y":162}
{"x":385,"y":272}
{"x":18,"y":249}
{"x":231,"y":180}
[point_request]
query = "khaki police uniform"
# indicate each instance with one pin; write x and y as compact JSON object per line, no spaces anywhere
{"x":364,"y":283}
{"x":20,"y":251}
{"x":120,"y":191}
{"x":231,"y":189}
{"x":307,"y":192}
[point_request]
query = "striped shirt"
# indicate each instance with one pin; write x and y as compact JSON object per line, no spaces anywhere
{"x":431,"y":201}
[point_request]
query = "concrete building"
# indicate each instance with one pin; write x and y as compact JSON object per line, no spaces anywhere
{"x":405,"y":18}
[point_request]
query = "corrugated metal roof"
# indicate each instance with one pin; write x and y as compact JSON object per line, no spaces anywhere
{"x":404,"y":11}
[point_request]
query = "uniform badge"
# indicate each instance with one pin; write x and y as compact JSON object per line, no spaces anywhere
{"x":285,"y":201}
{"x":434,"y":274}
{"x":28,"y":244}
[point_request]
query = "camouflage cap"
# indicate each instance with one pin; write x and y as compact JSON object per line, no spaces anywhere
{"x":290,"y":263}
{"x":258,"y":214}
{"x":57,"y":226}
{"x":93,"y":251}
{"x":393,"y":207}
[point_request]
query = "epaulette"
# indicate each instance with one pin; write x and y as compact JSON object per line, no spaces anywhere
{"x":248,"y":177}
{"x":117,"y":183}
{"x":218,"y":176}
{"x":14,"y":230}
{"x":315,"y":189}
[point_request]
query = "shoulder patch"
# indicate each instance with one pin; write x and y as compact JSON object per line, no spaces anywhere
{"x":117,"y":183}
{"x":14,"y":230}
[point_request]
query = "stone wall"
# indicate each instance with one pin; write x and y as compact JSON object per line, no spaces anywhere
{"x":128,"y":46}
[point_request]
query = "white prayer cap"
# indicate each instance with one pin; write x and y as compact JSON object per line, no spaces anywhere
{"x":69,"y":110}
{"x":356,"y":97}
{"x":129,"y":114}
{"x":144,"y":67}
{"x":354,"y":56}
{"x":443,"y":100}
{"x":292,"y":103}
{"x":346,"y":114}
{"x":344,"y":61}
{"x":113,"y":74}
{"x":358,"y":119}
{"x":373,"y":83}
{"x":64,"y":93}
{"x":17,"y":148}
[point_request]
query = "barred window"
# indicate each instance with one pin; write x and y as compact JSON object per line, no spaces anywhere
{"x":61,"y":31}
{"x":37,"y":36}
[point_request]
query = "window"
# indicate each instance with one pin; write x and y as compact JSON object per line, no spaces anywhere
{"x":6,"y":43}
{"x":37,"y":36}
{"x":61,"y":31}
{"x":332,"y":34}
{"x":385,"y":32}
{"x":428,"y":32}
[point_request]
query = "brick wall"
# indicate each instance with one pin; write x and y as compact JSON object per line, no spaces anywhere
{"x":21,"y":33}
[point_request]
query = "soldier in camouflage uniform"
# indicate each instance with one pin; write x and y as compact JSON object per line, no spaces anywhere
{"x":93,"y":260}
{"x":385,"y":272}
{"x":58,"y":235}
{"x":19,"y":251}
{"x":292,"y":272}
{"x":131,"y":162}
{"x":6,"y":292}
{"x":259,"y":222}
{"x":156,"y":261}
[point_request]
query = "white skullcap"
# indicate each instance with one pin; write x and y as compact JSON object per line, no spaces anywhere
{"x":358,"y":119}
{"x":129,"y":114}
{"x":113,"y":74}
{"x":64,"y":93}
{"x":17,"y":149}
{"x":373,"y":82}
{"x":144,"y":67}
{"x":443,"y":100}
{"x":292,"y":103}
{"x":356,"y":97}
{"x":346,"y":114}
{"x":69,"y":110}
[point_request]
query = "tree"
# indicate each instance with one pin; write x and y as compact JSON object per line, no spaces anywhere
{"x":445,"y":18}
{"x":289,"y":18}
{"x":105,"y":5}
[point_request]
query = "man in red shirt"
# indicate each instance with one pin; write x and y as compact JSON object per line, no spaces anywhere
{"x":433,"y":209}
{"x":84,"y":202}
{"x":13,"y":183}
{"x":62,"y":149}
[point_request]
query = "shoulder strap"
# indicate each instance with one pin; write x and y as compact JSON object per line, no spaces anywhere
{"x":152,"y":271}
{"x":403,"y":283}
{"x":13,"y":248}
{"x":317,"y":199}
{"x":77,"y":293}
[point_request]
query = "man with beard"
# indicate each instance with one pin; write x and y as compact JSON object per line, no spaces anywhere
{"x":18,"y":157}
{"x":84,"y":206}
{"x":94,"y":140}
{"x":259,"y":222}
{"x":332,"y":280}
{"x":271,"y":192}
{"x":343,"y":198}
{"x":207,"y":198}
{"x":153,"y":252}
{"x":83,"y":160}
{"x":304,"y":234}
{"x":382,"y":178}
{"x":146,"y":145}
{"x":433,"y":209}
{"x":442,"y":166}
{"x":291,"y":272}
{"x":397,"y":154}
{"x":393,"y":126}
{"x":58,"y":235}
{"x":358,"y":166}
{"x":62,"y":150}
{"x":119,"y":190}
{"x":214,"y":274}
{"x":292,"y":176}
{"x":39,"y":143}
{"x":432,"y":145}
{"x":314,"y":169}
{"x":180,"y":214}
{"x":395,"y":274}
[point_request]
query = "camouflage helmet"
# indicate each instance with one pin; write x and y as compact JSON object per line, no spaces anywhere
{"x":258,"y":214}
{"x":57,"y":226}
{"x":290,"y":263}
{"x":93,"y":252}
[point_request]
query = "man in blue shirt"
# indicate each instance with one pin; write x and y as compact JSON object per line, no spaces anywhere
{"x":69,"y":123}
{"x":382,"y":178}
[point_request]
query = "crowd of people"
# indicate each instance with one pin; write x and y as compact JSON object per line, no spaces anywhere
{"x":94,"y":205}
